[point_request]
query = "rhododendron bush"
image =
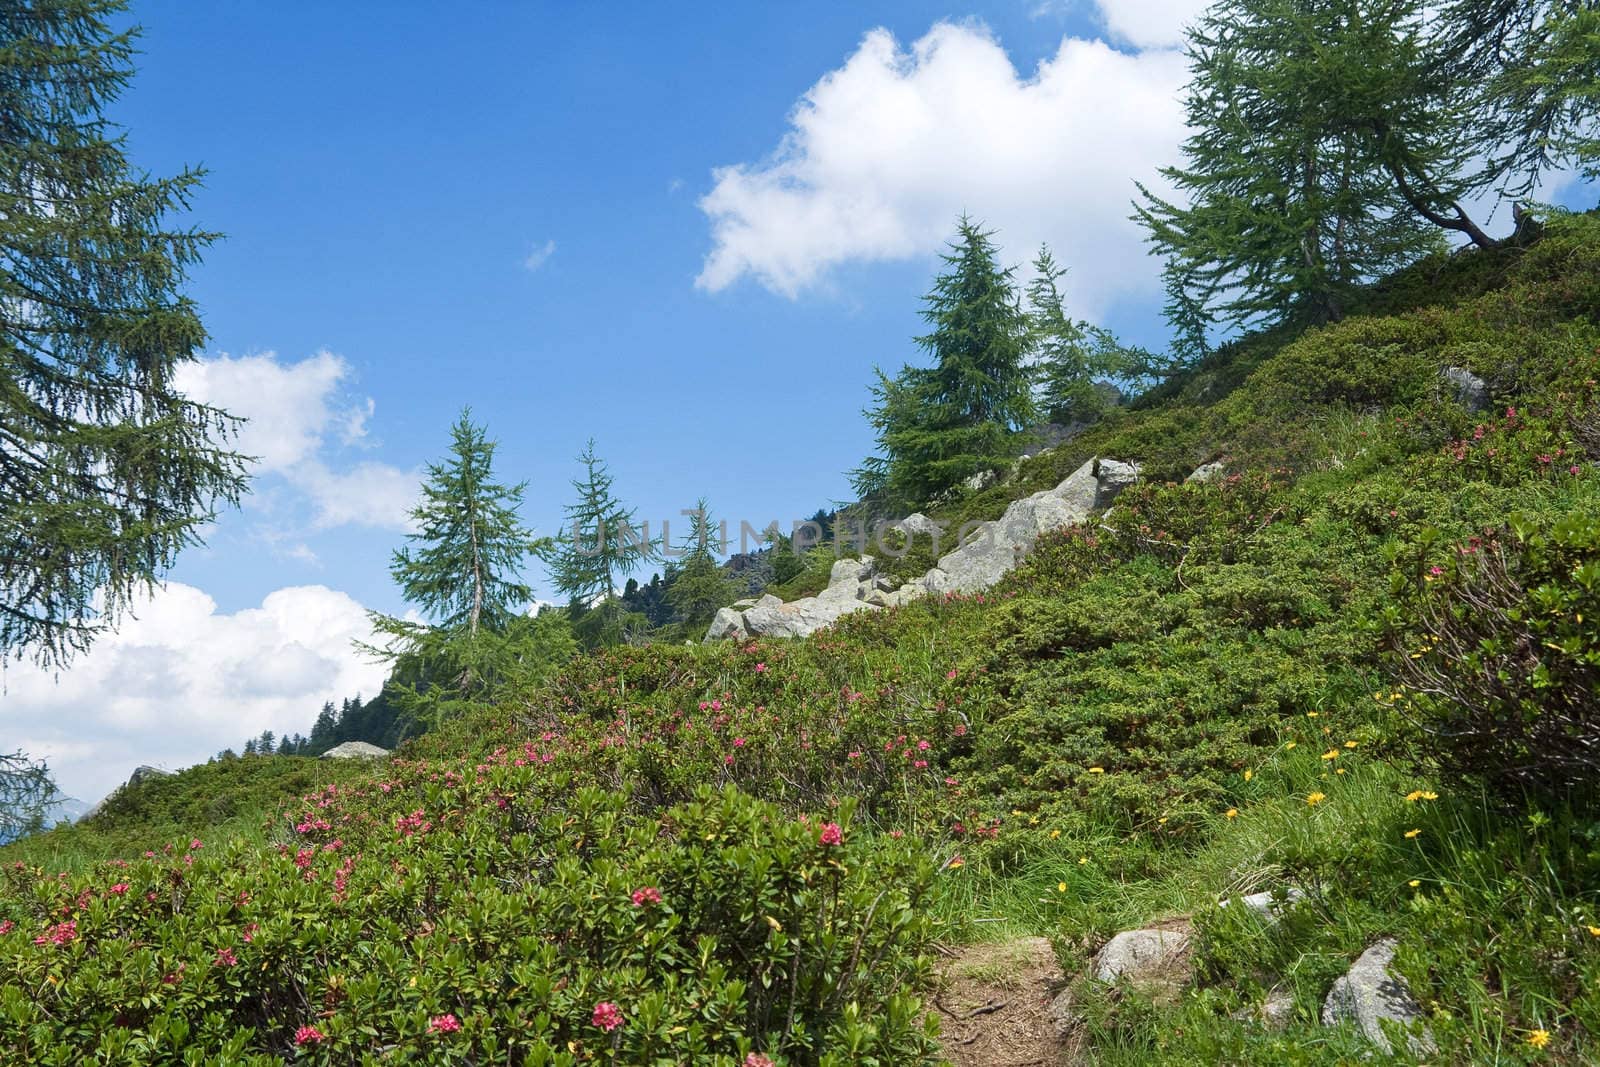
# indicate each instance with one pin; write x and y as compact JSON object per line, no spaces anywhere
{"x":480,"y":913}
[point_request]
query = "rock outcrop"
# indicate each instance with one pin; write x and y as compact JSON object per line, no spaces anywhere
{"x":144,"y":772}
{"x":1370,"y":994}
{"x":355,"y":750}
{"x":987,"y":551}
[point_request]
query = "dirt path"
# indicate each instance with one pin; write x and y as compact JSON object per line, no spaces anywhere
{"x":992,"y":1006}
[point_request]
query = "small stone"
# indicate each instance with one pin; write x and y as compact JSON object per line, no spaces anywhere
{"x":1265,"y":906}
{"x":1207,"y":472}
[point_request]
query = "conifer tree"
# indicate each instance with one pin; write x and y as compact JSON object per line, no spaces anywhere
{"x":941,"y":424}
{"x":699,"y":588}
{"x":1303,"y":112}
{"x":1070,"y":358}
{"x":600,"y":541}
{"x":106,"y":471}
{"x":462,"y":570}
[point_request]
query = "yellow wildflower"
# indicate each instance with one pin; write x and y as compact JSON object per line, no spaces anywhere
{"x":1097,"y":770}
{"x":1412,"y":833}
{"x":1414,"y":883}
{"x":1315,"y":798}
{"x":1539,"y":1038}
{"x":1232,"y":813}
{"x":1349,"y":744}
{"x":1290,"y":745}
{"x":1594,"y":931}
{"x":1061,"y":887}
{"x":1332,"y":753}
{"x":1054,"y":834}
{"x":1249,"y":774}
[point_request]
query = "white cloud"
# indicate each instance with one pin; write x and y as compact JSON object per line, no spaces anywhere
{"x":179,"y":681}
{"x":296,"y":412}
{"x":369,"y":494}
{"x":538,"y":257}
{"x":289,"y":405}
{"x":884,"y":152}
{"x":1150,"y":23}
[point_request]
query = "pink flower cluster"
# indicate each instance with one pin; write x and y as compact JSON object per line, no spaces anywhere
{"x":830,"y":835}
{"x":646,"y":895}
{"x":59,"y":934}
{"x":607,"y":1016}
{"x":444,"y":1024}
{"x":308,"y":1035}
{"x":415,"y":823}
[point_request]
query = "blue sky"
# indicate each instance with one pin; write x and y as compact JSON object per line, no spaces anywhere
{"x":383,"y":176}
{"x":688,"y":237}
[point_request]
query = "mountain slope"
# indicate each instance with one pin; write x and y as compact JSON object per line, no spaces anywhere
{"x":725,"y":852}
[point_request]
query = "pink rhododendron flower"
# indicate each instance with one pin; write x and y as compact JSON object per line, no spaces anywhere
{"x":646,"y":895}
{"x":7,"y":926}
{"x":308,"y":1035}
{"x":59,"y":934}
{"x":194,"y":844}
{"x":756,"y":1059}
{"x":607,"y":1016}
{"x":830,"y":835}
{"x":226,"y":958}
{"x":118,"y":889}
{"x":444,"y":1024}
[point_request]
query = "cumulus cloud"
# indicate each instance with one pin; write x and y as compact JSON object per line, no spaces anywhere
{"x":290,"y":406}
{"x":179,"y":681}
{"x":540,"y":254}
{"x":883,"y":153}
{"x":296,"y":413}
{"x":1150,"y":23}
{"x":368,"y":494}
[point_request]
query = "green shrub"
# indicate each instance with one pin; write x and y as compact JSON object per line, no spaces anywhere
{"x":1497,"y":656}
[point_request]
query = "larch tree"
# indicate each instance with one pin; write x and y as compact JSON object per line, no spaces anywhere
{"x":1286,"y":204}
{"x":106,"y":470}
{"x":699,"y":587}
{"x":1071,"y":359}
{"x":27,"y":794}
{"x":461,"y":569}
{"x":600,"y":541}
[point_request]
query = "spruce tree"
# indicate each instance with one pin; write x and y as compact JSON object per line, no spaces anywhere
{"x":939,"y":425}
{"x":106,"y":471}
{"x":700,"y":587}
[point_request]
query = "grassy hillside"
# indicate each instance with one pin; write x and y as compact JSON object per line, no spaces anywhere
{"x":731,"y":852}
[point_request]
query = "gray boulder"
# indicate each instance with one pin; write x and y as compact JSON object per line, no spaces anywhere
{"x":1370,"y":994}
{"x":1466,"y":388}
{"x":1207,"y":472}
{"x":1112,"y":476}
{"x":729,"y":622}
{"x":1142,"y":956}
{"x":355,"y":750}
{"x":918,"y":527}
{"x":993,"y":548}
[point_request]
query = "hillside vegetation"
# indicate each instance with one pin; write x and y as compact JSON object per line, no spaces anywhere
{"x":1361,"y":665}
